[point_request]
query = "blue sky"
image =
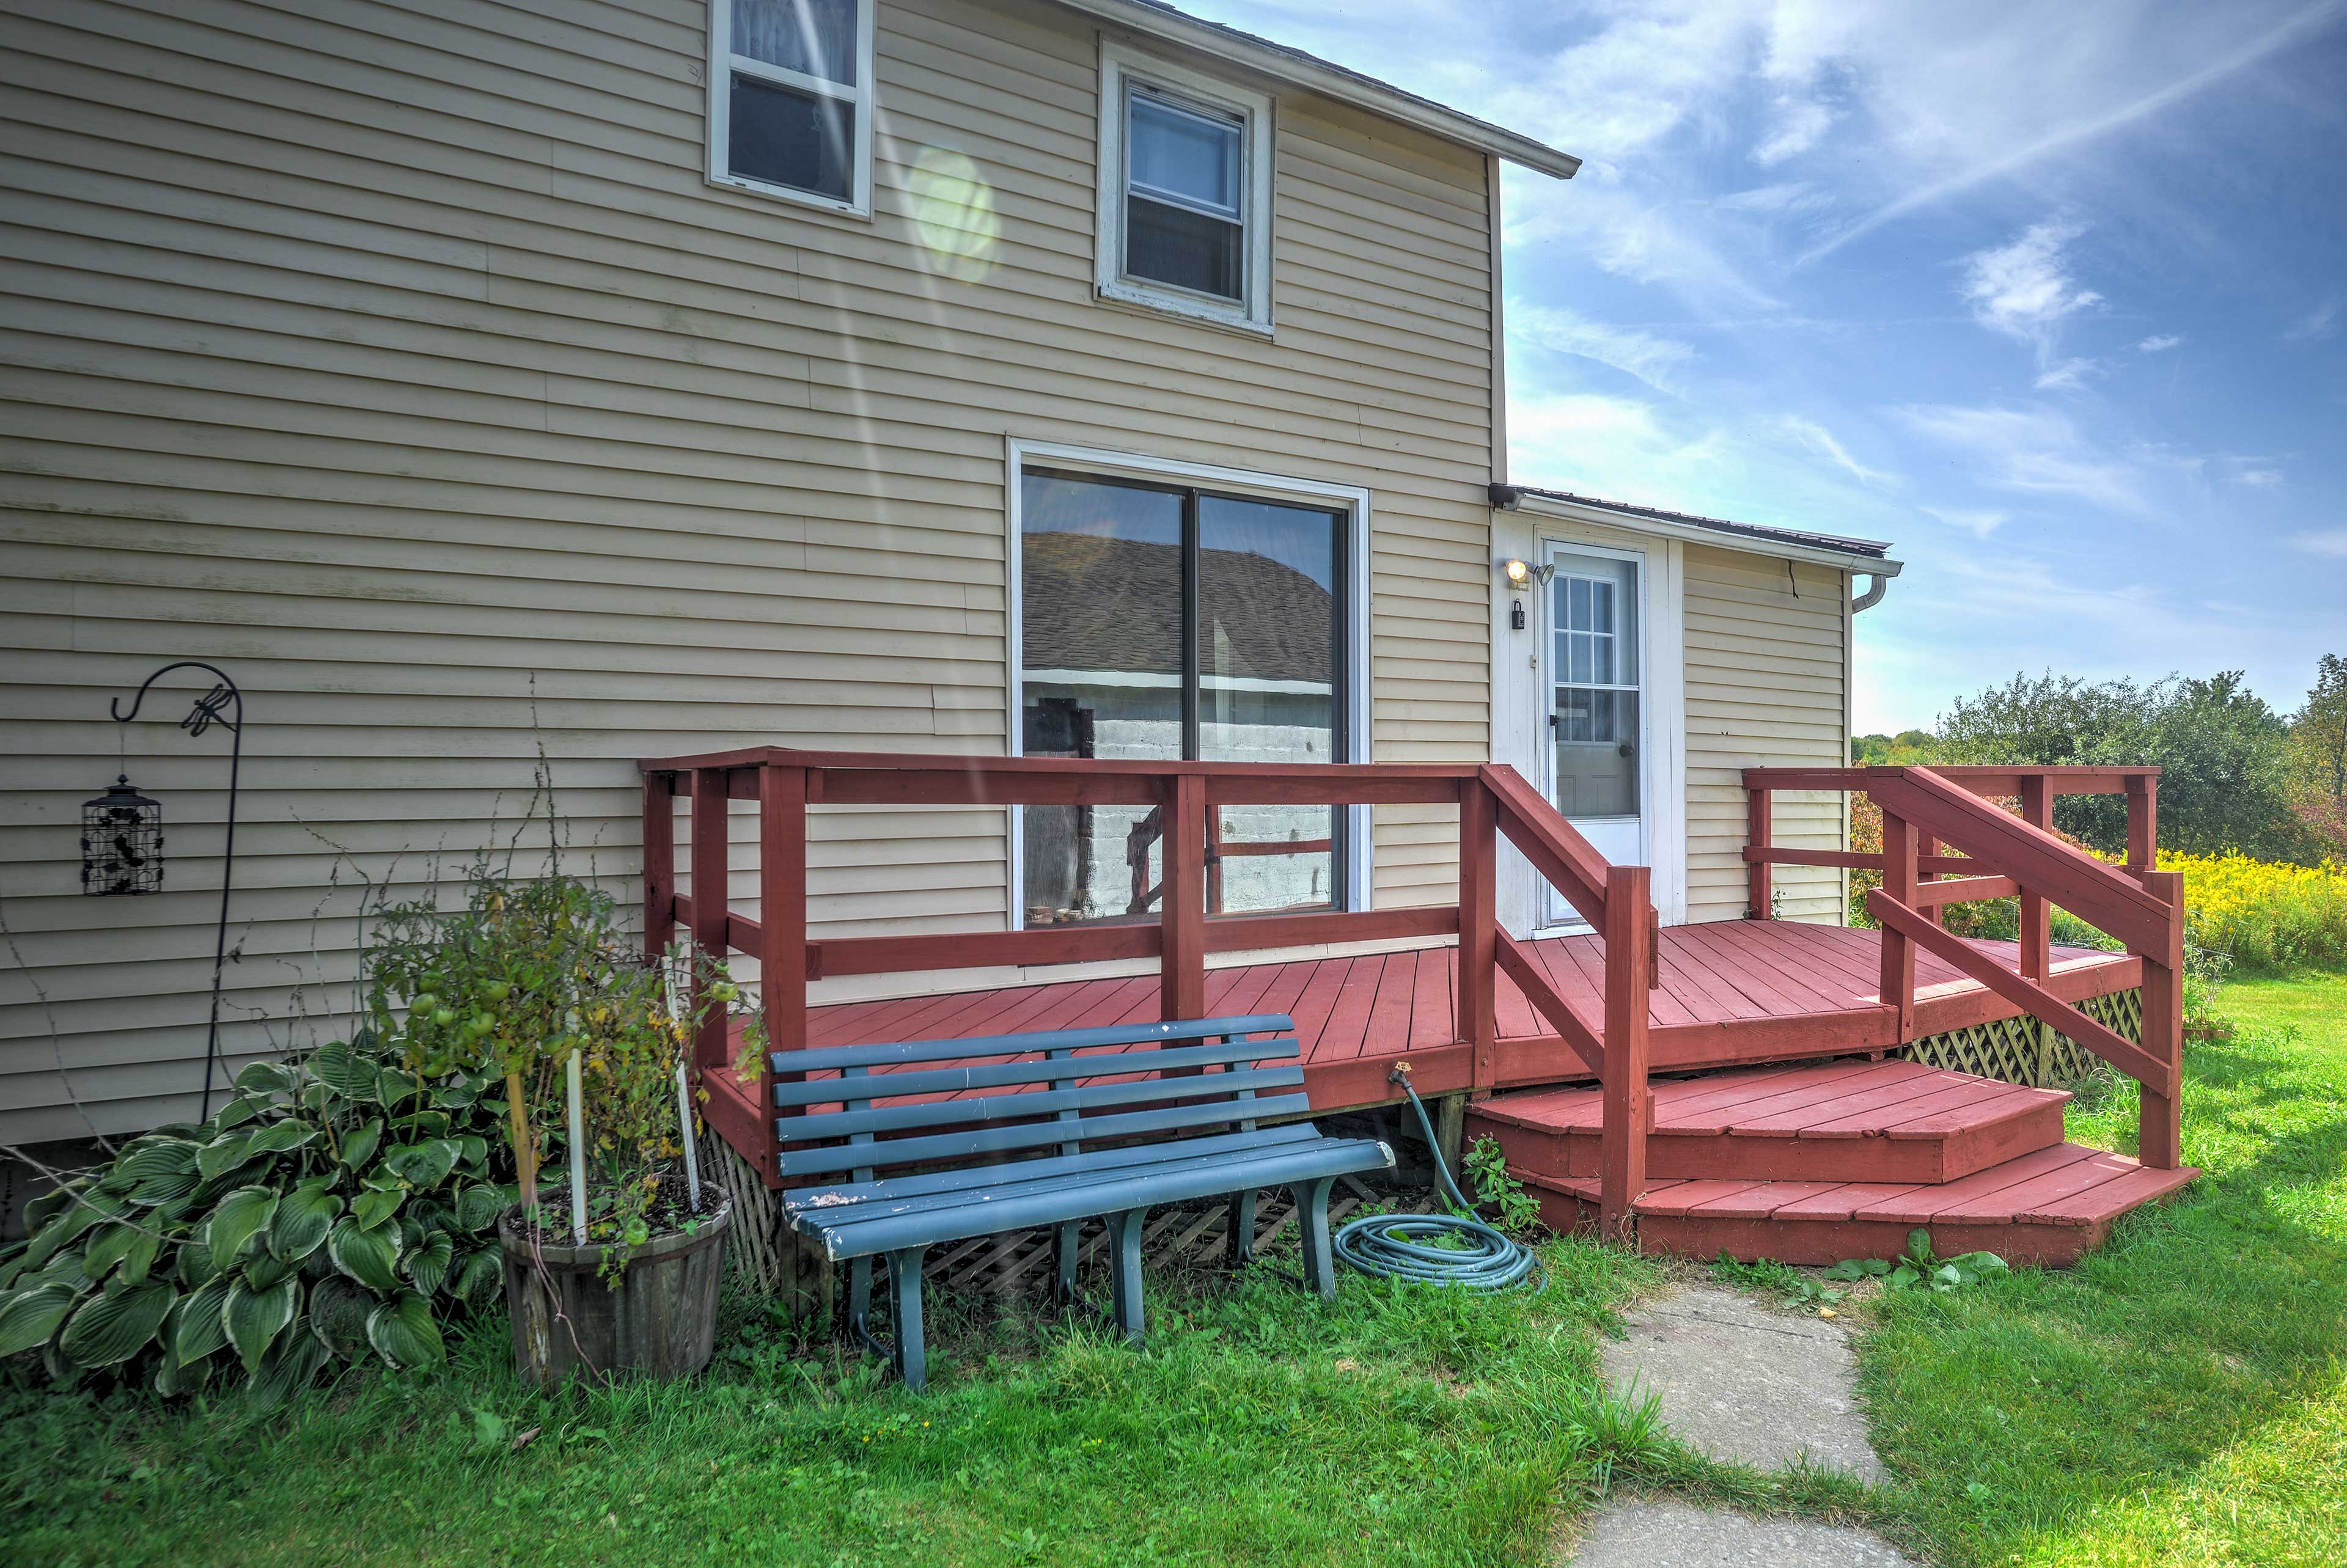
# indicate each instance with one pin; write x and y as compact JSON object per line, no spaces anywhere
{"x":2053,"y":297}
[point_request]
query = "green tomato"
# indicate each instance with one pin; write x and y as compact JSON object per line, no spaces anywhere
{"x":424,"y":1002}
{"x":432,"y":980}
{"x":479,"y":1024}
{"x":496,"y":991}
{"x":724,"y":991}
{"x":442,"y":1017}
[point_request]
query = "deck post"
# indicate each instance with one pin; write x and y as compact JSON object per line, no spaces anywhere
{"x":660,"y":863}
{"x":1182,"y":907}
{"x":2143,"y":826}
{"x":1478,"y":849}
{"x":710,"y":831}
{"x":1622,"y":1155}
{"x":782,"y":920}
{"x":2159,"y":1129}
{"x":2036,"y":945}
{"x":1759,"y":892}
{"x":1898,"y":985}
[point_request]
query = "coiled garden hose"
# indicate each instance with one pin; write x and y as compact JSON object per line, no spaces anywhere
{"x":1401,"y":1246}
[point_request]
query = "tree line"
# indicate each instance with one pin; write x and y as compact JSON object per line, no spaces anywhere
{"x":2236,"y":774}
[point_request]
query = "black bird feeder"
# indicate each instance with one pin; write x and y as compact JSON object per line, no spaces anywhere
{"x":121,"y":842}
{"x":122,"y":830}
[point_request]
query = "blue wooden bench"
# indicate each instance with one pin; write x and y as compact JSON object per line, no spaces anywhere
{"x":1049,"y":1129}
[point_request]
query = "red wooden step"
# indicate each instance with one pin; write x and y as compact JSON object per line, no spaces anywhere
{"x":2048,"y":1207}
{"x":1833,"y":1122}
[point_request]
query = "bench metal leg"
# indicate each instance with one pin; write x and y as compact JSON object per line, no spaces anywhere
{"x":1312,"y":1216}
{"x":1124,"y":1271}
{"x":1064,"y":1242}
{"x":1239,"y":1248}
{"x":859,"y":1305}
{"x":905,"y":1293}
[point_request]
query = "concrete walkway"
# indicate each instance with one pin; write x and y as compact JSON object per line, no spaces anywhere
{"x":1752,"y":1385}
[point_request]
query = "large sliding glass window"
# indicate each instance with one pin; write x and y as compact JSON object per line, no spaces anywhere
{"x":1162,"y":623}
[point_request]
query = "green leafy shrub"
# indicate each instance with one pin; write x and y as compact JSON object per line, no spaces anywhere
{"x":1514,"y":1209}
{"x":335,"y":1207}
{"x":521,"y":977}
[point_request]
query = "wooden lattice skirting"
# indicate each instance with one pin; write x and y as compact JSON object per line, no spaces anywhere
{"x":2024,"y":1051}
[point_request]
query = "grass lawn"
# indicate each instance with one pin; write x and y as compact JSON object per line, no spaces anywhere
{"x":2180,"y":1398}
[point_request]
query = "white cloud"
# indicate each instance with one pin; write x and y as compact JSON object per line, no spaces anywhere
{"x":2318,"y":322}
{"x":2068,"y":374}
{"x":2024,"y":289}
{"x":1643,"y":355}
{"x":2038,"y":452}
{"x":2260,"y":479}
{"x":1822,"y":441}
{"x":2159,"y":342}
{"x":1800,"y":123}
{"x":2331,"y":542}
{"x":1980,"y":522}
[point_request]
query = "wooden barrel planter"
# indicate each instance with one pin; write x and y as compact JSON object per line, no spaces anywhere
{"x":659,"y":1321}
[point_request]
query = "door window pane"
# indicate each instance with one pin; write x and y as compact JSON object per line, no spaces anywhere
{"x":784,"y":137}
{"x":1100,"y":643}
{"x":814,"y":38}
{"x":1268,"y":653}
{"x":1596,"y":727}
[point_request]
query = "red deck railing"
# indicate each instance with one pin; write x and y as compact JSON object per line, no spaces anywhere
{"x":2003,"y":856}
{"x":1185,"y":801}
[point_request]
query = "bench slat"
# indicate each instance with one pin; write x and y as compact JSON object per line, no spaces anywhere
{"x":852,"y":1234}
{"x":832,"y":1058}
{"x":1025,"y":1135}
{"x":1001,"y":1074}
{"x":1024,"y":1177}
{"x":986,"y":1109}
{"x":963,"y":1178}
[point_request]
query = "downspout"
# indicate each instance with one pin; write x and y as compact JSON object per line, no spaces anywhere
{"x":1877,"y":585}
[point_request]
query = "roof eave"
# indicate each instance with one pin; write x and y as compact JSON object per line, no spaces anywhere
{"x":1754,"y":543}
{"x":1300,"y":69}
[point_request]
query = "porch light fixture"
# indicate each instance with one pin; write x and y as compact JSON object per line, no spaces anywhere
{"x":1519,"y":575}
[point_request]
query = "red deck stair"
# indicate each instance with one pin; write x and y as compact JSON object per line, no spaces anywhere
{"x":1819,"y":1163}
{"x":1837,"y":1121}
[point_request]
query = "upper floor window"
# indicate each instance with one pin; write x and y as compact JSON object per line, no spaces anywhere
{"x":1184,"y":193}
{"x":790,"y":100}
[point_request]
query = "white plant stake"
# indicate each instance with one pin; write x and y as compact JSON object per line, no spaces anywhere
{"x":577,"y":1159}
{"x":684,"y":1136}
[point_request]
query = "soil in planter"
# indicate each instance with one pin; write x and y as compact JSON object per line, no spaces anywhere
{"x":659,"y":1320}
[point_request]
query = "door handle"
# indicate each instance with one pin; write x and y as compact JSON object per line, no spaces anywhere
{"x":1623,"y":750}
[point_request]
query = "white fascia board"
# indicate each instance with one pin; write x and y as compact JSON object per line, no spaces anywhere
{"x":1778,"y":549}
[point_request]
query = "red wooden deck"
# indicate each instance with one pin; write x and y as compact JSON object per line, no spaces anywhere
{"x":1732,"y":992}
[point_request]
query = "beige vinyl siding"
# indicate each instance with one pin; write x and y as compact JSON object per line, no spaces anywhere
{"x":1766,"y":670}
{"x":399,"y":358}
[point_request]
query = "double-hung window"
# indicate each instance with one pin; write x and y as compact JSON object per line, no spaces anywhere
{"x":790,"y":100}
{"x":1185,"y":192}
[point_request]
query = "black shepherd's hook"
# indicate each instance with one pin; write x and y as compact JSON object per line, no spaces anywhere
{"x":206,"y":711}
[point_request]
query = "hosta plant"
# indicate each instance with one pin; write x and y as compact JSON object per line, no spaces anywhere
{"x":337,"y":1208}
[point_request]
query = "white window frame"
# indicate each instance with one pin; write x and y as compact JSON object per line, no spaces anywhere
{"x":1353,"y":499}
{"x":1122,"y":68}
{"x":723,"y":62}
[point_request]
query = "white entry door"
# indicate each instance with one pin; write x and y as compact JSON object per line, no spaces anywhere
{"x":1598,"y":717}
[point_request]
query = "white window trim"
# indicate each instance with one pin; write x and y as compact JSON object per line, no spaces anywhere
{"x":1353,"y":498}
{"x":1252,"y":314}
{"x":723,"y":62}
